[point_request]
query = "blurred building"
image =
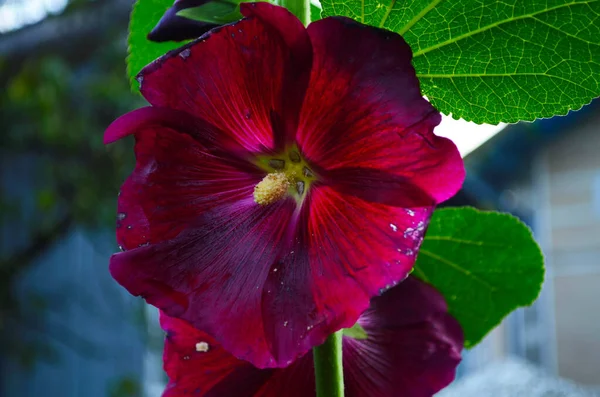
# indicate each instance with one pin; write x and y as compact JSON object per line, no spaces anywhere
{"x":513,"y":378}
{"x":66,"y":328}
{"x":548,"y":173}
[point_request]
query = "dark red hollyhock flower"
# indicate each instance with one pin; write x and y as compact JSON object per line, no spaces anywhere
{"x":412,"y":349}
{"x":175,"y":28}
{"x":284,"y":177}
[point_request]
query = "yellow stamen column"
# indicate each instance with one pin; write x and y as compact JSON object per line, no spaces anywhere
{"x":272,"y":188}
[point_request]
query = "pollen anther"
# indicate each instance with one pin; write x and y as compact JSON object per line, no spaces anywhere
{"x":272,"y":188}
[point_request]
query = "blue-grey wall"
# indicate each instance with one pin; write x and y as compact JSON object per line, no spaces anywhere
{"x":89,"y":332}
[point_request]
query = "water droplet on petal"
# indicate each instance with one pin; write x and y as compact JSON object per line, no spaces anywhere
{"x":185,"y":53}
{"x":394,"y":227}
{"x":186,"y":357}
{"x":140,"y":80}
{"x":285,"y":323}
{"x":121,"y":248}
{"x":410,"y":212}
{"x":121,"y":216}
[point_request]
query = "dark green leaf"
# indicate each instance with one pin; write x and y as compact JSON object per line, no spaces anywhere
{"x":486,"y":264}
{"x":216,"y":12}
{"x":145,"y":15}
{"x":493,"y":61}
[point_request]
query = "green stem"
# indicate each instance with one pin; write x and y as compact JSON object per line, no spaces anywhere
{"x":329,"y":372}
{"x":300,"y":8}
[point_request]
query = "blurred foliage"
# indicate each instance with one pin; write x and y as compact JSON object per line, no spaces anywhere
{"x":54,"y":111}
{"x":125,"y":387}
{"x":59,"y":112}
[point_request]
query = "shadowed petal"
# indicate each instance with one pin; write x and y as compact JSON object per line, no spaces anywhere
{"x":378,"y":186}
{"x":413,"y":345}
{"x":364,"y":109}
{"x":247,"y":78}
{"x":412,"y":350}
{"x":213,"y":275}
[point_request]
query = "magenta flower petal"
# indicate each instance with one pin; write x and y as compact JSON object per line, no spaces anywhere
{"x":370,"y":246}
{"x":364,"y":109}
{"x":248,"y":78}
{"x":412,"y":349}
{"x":181,"y":172}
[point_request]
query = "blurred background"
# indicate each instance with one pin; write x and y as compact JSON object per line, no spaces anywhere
{"x":66,"y":329}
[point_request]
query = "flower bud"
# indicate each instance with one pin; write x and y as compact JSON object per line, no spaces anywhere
{"x":189,"y":19}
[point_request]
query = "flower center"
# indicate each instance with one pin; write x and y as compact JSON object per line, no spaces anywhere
{"x":287,"y":174}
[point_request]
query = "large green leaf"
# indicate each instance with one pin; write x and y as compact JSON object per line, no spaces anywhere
{"x":486,"y":264}
{"x":315,"y":12}
{"x":493,"y":61}
{"x":145,"y":15}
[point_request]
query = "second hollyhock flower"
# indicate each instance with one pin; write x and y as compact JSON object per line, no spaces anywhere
{"x":409,"y":347}
{"x":285,"y":175}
